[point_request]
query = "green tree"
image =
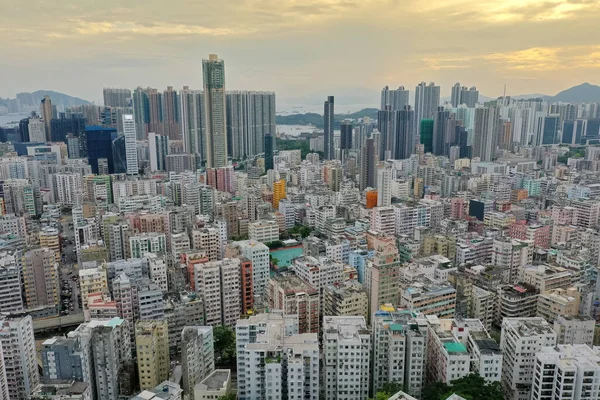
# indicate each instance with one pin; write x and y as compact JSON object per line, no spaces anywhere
{"x":225,"y":351}
{"x":228,"y":396}
{"x":274,"y":244}
{"x":470,"y":387}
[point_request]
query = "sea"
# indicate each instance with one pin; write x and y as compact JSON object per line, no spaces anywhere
{"x":290,"y":109}
{"x":11,"y":120}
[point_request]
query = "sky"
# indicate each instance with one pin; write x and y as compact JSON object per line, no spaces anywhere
{"x":301,"y":49}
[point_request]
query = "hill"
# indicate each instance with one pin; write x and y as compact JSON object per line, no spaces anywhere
{"x":58,"y":98}
{"x":317,"y":119}
{"x":583,"y":93}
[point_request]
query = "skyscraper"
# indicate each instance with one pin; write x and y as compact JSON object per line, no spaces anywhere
{"x":441,"y":131}
{"x":192,"y":122}
{"x":250,"y":116}
{"x":367,"y":164}
{"x":485,"y":133}
{"x":464,"y":95}
{"x":386,"y":124}
{"x":396,"y":99}
{"x":426,"y":134}
{"x":170,"y":114}
{"x":405,"y":136}
{"x":155,"y":111}
{"x":131,"y":154}
{"x":215,"y":111}
{"x":158,"y":146}
{"x":114,"y":97}
{"x":268,"y":151}
{"x":47,"y":115}
{"x":141,"y":112}
{"x":328,"y":128}
{"x":346,"y":135}
{"x":427,"y":100}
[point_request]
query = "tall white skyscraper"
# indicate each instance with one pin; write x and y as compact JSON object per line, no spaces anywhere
{"x":131,"y":154}
{"x":384,"y":187}
{"x":213,"y":71}
{"x":427,"y":100}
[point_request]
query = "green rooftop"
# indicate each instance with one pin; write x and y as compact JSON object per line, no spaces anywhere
{"x":396,"y":327}
{"x":455,"y":347}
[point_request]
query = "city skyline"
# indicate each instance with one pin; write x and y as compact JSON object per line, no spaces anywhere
{"x":285,"y":46}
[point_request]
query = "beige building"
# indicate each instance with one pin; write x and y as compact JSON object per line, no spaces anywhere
{"x":209,"y":241}
{"x":49,"y":238}
{"x":92,"y":280}
{"x":382,"y":272}
{"x":483,"y":306}
{"x":152,"y":345}
{"x":345,"y":299}
{"x":219,"y":285}
{"x":40,"y":278}
{"x":555,"y":302}
{"x":263,"y":231}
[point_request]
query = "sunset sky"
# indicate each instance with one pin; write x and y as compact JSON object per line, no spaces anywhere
{"x":299,"y":48}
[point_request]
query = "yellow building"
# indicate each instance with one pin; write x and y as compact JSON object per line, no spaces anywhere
{"x":552,"y":303}
{"x":92,"y":280}
{"x":49,"y":238}
{"x":278,"y":192}
{"x":439,"y":244}
{"x":152,"y":345}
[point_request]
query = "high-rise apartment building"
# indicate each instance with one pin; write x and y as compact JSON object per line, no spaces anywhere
{"x":295,"y":296}
{"x":521,"y":339}
{"x":258,"y":254}
{"x":40,"y":278}
{"x":427,"y":100}
{"x":274,"y":361}
{"x":131,"y":153}
{"x":218,"y":282}
{"x":215,"y":111}
{"x":368,"y":159}
{"x":47,"y":113}
{"x":486,"y":132}
{"x":114,"y":97}
{"x":197,"y":356}
{"x":399,"y":350}
{"x":397,"y":99}
{"x":328,"y":121}
{"x":382,"y":273}
{"x":269,"y":145}
{"x":152,"y":348}
{"x":19,"y":356}
{"x":106,"y":348}
{"x":250,"y":117}
{"x":158,"y":146}
{"x":346,"y":357}
{"x":566,"y":372}
{"x":192,"y":121}
{"x":171,"y":114}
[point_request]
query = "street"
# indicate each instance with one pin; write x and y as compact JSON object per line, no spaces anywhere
{"x":69,"y":276}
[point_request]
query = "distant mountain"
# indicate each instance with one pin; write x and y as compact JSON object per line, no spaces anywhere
{"x":58,"y":98}
{"x":583,"y":93}
{"x":31,"y":101}
{"x":317,"y":119}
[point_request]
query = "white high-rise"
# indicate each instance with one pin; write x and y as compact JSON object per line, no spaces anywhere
{"x":273,"y":359}
{"x":19,"y":355}
{"x":384,"y":187}
{"x":521,"y":339}
{"x":346,"y":358}
{"x":131,"y":154}
{"x":197,"y":356}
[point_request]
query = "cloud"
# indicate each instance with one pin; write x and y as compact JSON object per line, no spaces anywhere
{"x":154,"y":29}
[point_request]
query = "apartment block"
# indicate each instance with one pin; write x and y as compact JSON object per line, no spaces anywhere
{"x":294,"y":296}
{"x":274,"y":360}
{"x":219,"y":284}
{"x":347,"y":298}
{"x":152,"y":348}
{"x":197,"y":356}
{"x":346,"y":356}
{"x":575,"y":329}
{"x":521,"y":339}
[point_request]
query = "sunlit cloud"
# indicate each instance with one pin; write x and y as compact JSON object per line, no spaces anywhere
{"x":154,"y":29}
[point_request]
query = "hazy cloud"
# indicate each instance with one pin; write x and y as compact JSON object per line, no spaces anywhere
{"x":299,"y":47}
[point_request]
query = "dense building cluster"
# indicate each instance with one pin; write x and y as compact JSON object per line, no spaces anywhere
{"x":161,"y":247}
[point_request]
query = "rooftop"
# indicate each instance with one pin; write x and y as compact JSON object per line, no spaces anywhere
{"x":217,"y":380}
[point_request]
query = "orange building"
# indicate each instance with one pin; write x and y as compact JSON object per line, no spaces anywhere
{"x":246,"y":286}
{"x":518,"y":194}
{"x":191,"y":259}
{"x":278,"y":192}
{"x":371,"y":196}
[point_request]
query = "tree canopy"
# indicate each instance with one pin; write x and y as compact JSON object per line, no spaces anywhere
{"x":470,"y":387}
{"x":224,"y":338}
